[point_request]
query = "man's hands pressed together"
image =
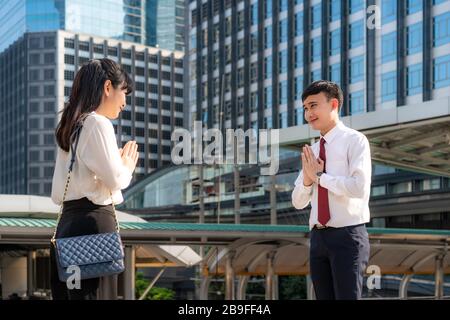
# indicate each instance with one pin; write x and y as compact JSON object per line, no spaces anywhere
{"x":310,"y":166}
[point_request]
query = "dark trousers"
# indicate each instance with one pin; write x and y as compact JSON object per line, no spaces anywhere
{"x":338,"y":260}
{"x":82,"y":217}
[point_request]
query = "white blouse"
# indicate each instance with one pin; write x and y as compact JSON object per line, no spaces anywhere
{"x":98,"y":167}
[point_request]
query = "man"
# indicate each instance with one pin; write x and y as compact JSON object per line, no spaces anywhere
{"x":335,"y":178}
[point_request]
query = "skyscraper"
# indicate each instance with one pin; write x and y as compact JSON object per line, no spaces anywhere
{"x":37,"y":73}
{"x":165,"y":24}
{"x":116,"y":19}
{"x":267,"y":51}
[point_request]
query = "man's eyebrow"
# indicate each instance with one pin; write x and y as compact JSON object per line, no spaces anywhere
{"x":309,"y":103}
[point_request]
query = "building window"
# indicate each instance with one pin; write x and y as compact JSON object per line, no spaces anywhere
{"x":389,"y":86}
{"x":34,"y":139}
{"x":98,"y":48}
{"x":49,"y":74}
{"x":316,"y":16}
{"x":356,"y":69}
{"x":357,"y":102}
{"x":49,"y":90}
{"x":283,"y":30}
{"x":299,"y":56}
{"x":254,"y":9}
{"x":430,"y":184}
{"x":49,"y":139}
{"x":268,"y":67}
{"x":49,"y":155}
{"x":69,"y":59}
{"x":253,"y":43}
{"x":268,"y":97}
{"x":299,"y":24}
{"x":315,"y":75}
{"x":34,"y":75}
{"x":335,"y":73}
{"x":282,"y":86}
{"x":267,"y":9}
{"x":356,"y":5}
{"x":389,"y":47}
{"x":283,"y":61}
{"x":442,"y":72}
{"x":335,"y":42}
{"x":335,"y":10}
{"x":35,"y":58}
{"x":414,"y":38}
{"x":48,"y":172}
{"x":253,"y":71}
{"x":401,"y":187}
{"x":413,"y":6}
{"x":357,"y":34}
{"x":112,"y":51}
{"x":35,"y":43}
{"x":49,"y":123}
{"x":388,"y":11}
{"x":283,"y":120}
{"x":49,"y":106}
{"x":414,"y":78}
{"x":268,"y":37}
{"x":316,"y":49}
{"x":253,"y":101}
{"x":298,"y":87}
{"x":268,"y":122}
{"x":49,"y":57}
{"x":283,"y":5}
{"x":69,"y":43}
{"x":240,"y":77}
{"x":34,"y":107}
{"x":442,"y":29}
{"x":240,"y":20}
{"x":34,"y":91}
{"x":298,"y":116}
{"x":378,"y":191}
{"x":67,"y":91}
{"x":34,"y":188}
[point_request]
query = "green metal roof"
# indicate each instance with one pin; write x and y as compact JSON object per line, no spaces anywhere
{"x":177,"y":226}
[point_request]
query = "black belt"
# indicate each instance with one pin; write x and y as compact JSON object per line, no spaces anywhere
{"x":321,"y":227}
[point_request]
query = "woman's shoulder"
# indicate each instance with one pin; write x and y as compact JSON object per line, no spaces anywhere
{"x":96,"y":121}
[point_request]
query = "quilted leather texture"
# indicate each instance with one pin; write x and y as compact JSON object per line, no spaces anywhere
{"x":96,"y":255}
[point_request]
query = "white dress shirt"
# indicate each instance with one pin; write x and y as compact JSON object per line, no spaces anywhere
{"x":347,"y":178}
{"x":98,"y":167}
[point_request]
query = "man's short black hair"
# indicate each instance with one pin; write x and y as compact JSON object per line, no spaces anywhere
{"x":331,"y":90}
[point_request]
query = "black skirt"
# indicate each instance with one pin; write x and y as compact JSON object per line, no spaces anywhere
{"x":83,"y":217}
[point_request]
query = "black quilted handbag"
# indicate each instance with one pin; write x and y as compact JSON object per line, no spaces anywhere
{"x":95,"y":255}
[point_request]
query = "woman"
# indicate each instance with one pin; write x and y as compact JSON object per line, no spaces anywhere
{"x":100,"y":168}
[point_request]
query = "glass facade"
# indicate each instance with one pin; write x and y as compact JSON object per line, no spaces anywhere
{"x":118,"y":19}
{"x":147,"y":22}
{"x":165,"y":24}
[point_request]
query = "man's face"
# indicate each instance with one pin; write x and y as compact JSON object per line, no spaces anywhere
{"x":319,"y":111}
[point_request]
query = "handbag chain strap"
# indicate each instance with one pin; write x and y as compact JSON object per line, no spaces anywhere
{"x":77,"y":132}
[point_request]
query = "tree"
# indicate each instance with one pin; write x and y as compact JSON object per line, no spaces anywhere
{"x":155,"y":293}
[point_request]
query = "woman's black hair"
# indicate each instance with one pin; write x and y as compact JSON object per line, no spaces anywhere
{"x":86,"y":95}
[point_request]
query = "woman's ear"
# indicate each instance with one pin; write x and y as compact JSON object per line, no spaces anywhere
{"x":107,"y":87}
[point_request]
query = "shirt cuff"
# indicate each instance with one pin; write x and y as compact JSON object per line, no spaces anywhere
{"x":305,"y":189}
{"x":324,"y":180}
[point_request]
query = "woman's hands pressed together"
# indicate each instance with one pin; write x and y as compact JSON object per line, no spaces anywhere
{"x":130,"y":155}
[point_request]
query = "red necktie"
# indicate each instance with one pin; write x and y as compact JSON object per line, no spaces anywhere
{"x":324,"y":209}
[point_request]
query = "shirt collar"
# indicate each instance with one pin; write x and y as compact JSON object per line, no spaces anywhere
{"x":330,"y":135}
